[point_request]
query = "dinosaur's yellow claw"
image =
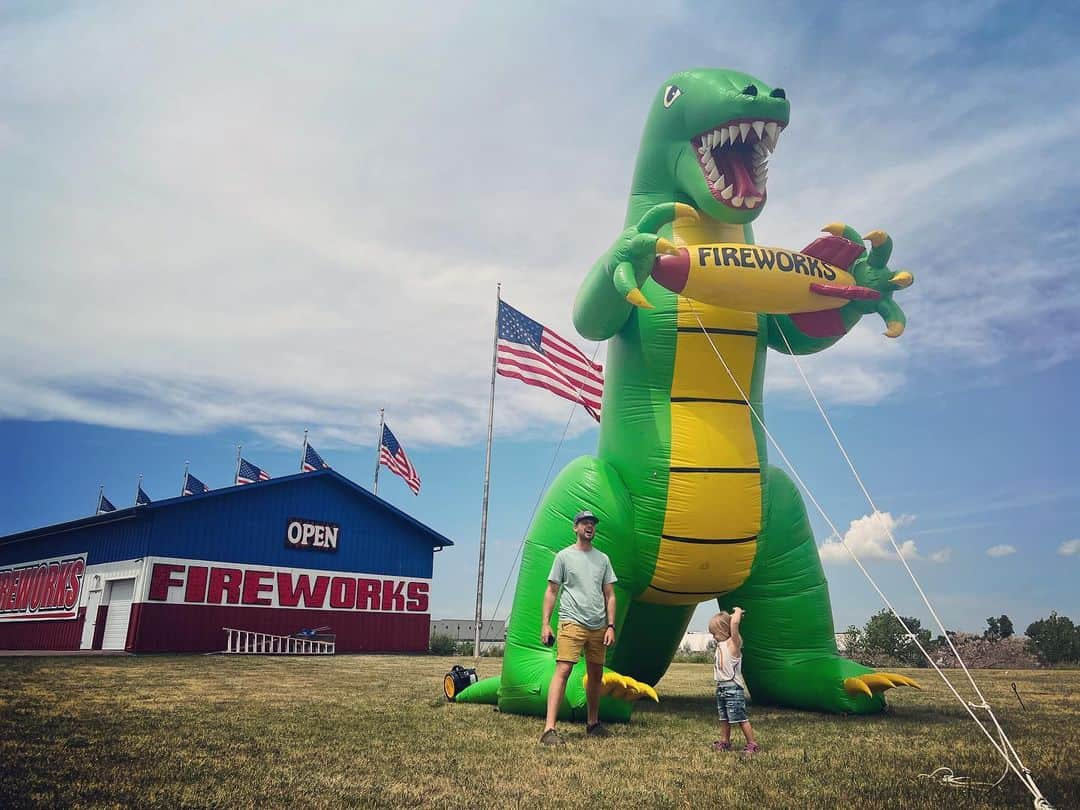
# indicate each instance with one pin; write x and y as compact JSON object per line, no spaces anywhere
{"x":623,"y":687}
{"x":636,"y":298}
{"x":664,"y":246}
{"x":902,"y":279}
{"x":877,"y":681}
{"x":682,"y":210}
{"x":901,"y":680}
{"x":895,"y":329}
{"x":873,"y":683}
{"x":835,"y":228}
{"x":876,"y":238}
{"x":855,"y":686}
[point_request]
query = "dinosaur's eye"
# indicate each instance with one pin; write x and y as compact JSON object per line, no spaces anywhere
{"x":778,"y":93}
{"x":671,"y":92}
{"x":750,"y":90}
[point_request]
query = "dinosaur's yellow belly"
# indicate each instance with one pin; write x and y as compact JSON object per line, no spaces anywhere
{"x":713,"y":513}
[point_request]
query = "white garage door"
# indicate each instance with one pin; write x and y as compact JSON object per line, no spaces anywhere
{"x":121,"y":592}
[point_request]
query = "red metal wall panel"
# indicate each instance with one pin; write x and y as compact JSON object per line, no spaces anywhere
{"x":47,"y":635}
{"x":99,"y":627}
{"x":198,"y":628}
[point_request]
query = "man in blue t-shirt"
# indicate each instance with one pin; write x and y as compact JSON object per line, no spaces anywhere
{"x":586,"y":622}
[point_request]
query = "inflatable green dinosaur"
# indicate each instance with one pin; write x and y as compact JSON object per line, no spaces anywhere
{"x":689,"y":509}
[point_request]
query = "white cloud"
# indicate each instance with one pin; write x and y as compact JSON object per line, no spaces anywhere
{"x":278,"y":221}
{"x":1069,"y":548}
{"x":1001,"y":550}
{"x":868,"y":538}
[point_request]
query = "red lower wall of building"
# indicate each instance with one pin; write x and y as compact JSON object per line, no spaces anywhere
{"x":198,"y":628}
{"x":48,"y":635}
{"x":99,"y":627}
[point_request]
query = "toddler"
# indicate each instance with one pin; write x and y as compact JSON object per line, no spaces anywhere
{"x":730,"y":694}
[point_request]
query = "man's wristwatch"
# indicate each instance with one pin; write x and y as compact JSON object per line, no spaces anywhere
{"x":611,"y":626}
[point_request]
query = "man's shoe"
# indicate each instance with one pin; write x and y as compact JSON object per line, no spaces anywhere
{"x":550,"y":737}
{"x":597,"y":729}
{"x":751,"y":749}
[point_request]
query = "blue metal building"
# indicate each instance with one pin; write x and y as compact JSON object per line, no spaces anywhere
{"x":304,"y":551}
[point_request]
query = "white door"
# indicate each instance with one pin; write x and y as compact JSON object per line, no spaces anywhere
{"x":90,"y":619}
{"x":121,"y":592}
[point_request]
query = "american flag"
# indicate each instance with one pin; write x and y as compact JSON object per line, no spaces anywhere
{"x":313,"y":461}
{"x":141,"y":498}
{"x":249,"y":473}
{"x":393,"y":456}
{"x":530,"y":352}
{"x":193,"y":486}
{"x":104,"y":505}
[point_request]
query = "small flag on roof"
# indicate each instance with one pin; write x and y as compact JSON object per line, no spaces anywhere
{"x":248,"y":473}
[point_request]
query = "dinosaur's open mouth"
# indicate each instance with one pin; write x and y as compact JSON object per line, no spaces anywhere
{"x":734,"y":158}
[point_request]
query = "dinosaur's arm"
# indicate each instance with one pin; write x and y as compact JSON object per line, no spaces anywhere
{"x":799,"y":341}
{"x":610,"y":290}
{"x":599,"y":310}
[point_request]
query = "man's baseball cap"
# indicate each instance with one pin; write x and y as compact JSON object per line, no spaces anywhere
{"x":585,"y":514}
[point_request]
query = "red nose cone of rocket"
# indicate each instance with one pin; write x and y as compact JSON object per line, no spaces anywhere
{"x":672,"y":271}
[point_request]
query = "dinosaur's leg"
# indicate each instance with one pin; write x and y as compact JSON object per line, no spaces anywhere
{"x":649,"y":637}
{"x":789,"y":652}
{"x":586,"y":483}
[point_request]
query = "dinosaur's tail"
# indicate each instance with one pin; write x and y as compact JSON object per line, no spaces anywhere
{"x":485,"y":691}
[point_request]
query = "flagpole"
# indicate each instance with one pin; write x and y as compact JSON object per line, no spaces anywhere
{"x":100,"y":492}
{"x":183,"y":486}
{"x":378,"y":451}
{"x":487,"y":481}
{"x":303,"y":453}
{"x":236,"y":477}
{"x":138,"y":487}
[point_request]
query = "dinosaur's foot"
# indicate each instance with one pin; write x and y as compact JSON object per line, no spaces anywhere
{"x":825,"y":683}
{"x":523,"y":688}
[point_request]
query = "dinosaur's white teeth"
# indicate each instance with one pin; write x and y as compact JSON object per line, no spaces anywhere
{"x":760,"y":138}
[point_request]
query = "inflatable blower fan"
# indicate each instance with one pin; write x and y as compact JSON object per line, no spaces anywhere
{"x":457,"y":679}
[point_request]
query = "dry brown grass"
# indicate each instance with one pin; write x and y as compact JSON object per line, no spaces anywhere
{"x":374,"y":731}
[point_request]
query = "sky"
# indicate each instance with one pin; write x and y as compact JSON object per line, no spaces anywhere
{"x":229,"y":224}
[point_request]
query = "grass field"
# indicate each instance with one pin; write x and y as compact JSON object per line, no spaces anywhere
{"x":374,"y":731}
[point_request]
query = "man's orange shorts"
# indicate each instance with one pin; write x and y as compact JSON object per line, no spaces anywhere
{"x":573,"y":638}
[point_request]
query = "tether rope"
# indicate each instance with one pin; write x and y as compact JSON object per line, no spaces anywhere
{"x":1021,"y":771}
{"x":983,"y":702}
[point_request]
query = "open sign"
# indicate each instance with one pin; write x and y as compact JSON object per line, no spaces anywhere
{"x":311,"y":534}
